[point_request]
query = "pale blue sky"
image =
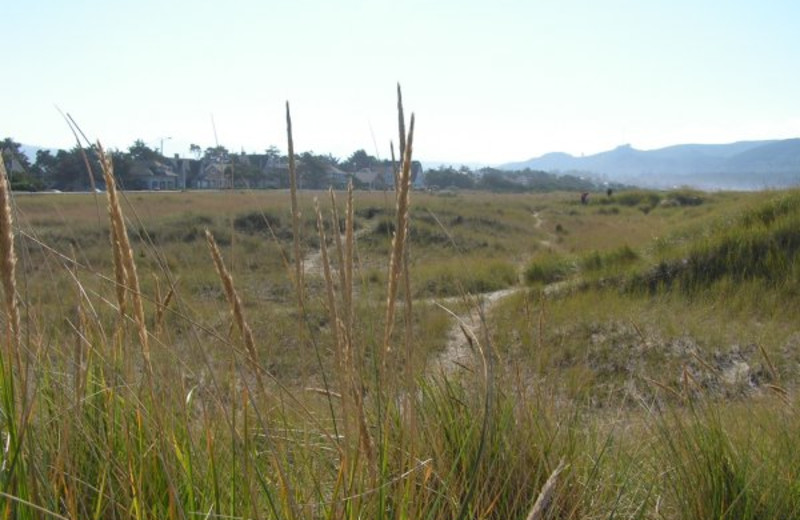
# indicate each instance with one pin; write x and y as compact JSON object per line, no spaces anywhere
{"x":489,"y":81}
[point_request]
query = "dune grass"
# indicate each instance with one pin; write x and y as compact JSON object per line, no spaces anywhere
{"x":271,"y":357}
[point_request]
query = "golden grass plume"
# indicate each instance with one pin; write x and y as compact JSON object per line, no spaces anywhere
{"x":125,"y":266}
{"x":399,"y":240}
{"x":233,"y":300}
{"x":8,"y":262}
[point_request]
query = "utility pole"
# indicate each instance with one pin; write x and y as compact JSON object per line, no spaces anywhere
{"x":161,"y":151}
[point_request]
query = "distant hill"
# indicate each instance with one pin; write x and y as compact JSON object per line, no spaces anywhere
{"x":740,"y":165}
{"x":30,"y":151}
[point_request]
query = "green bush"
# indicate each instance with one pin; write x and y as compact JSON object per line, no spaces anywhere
{"x":686,"y":197}
{"x":596,"y":261}
{"x":474,"y":278}
{"x":546,"y":269}
{"x":635,"y":198}
{"x":763,"y":244}
{"x":257,"y":222}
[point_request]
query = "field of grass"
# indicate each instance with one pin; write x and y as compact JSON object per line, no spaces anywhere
{"x":641,"y":360}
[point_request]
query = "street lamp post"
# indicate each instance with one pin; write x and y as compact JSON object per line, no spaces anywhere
{"x":162,"y":145}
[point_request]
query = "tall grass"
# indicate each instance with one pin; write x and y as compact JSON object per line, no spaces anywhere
{"x":717,"y":465}
{"x":122,"y":397}
{"x":762,"y":244}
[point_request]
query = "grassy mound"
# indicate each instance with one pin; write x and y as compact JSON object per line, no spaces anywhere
{"x":760,"y":245}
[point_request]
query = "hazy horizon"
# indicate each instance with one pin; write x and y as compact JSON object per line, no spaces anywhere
{"x":30,"y":150}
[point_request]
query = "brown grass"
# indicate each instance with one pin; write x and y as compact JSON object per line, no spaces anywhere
{"x":399,"y":241}
{"x":124,"y":255}
{"x":235,"y":303}
{"x":8,"y":263}
{"x":298,"y":259}
{"x":541,"y":507}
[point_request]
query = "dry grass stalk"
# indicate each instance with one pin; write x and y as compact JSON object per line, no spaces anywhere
{"x":352,"y":355}
{"x":349,"y":258}
{"x":341,"y":342}
{"x":690,"y":384}
{"x":343,"y":332}
{"x":399,"y":240}
{"x":540,"y":333}
{"x":8,"y":263}
{"x":408,"y":309}
{"x":543,"y":502}
{"x":235,"y":303}
{"x":329,"y":285}
{"x":395,"y":170}
{"x":126,"y":253}
{"x":161,"y":306}
{"x":663,"y":386}
{"x":705,"y":364}
{"x":298,"y":259}
{"x":401,"y":122}
{"x":350,"y":359}
{"x":80,"y":327}
{"x":75,"y":129}
{"x":337,"y":237}
{"x":772,"y":370}
{"x":345,"y":257}
{"x":120,"y":276}
{"x":344,"y":324}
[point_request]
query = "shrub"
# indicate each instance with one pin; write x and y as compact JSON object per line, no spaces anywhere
{"x":546,"y":269}
{"x":257,"y":222}
{"x":473,"y":277}
{"x":763,"y":244}
{"x":635,"y":198}
{"x":621,"y":256}
{"x":685,"y":198}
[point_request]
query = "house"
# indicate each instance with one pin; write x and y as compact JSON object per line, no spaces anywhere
{"x":213,"y":175}
{"x":260,"y":171}
{"x":186,"y":169}
{"x":337,"y":178}
{"x":381,"y":176}
{"x":153,"y":175}
{"x":376,"y":177}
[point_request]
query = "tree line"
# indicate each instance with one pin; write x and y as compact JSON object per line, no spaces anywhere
{"x":504,"y":181}
{"x":79,"y":169}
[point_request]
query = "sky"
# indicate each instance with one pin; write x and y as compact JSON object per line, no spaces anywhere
{"x":489,"y":81}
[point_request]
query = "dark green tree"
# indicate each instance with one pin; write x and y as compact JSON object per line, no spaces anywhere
{"x":313,"y":171}
{"x":123,"y":167}
{"x":12,"y":152}
{"x":139,"y":151}
{"x":272,"y":153}
{"x":358,"y":161}
{"x":71,"y":170}
{"x":499,"y":182}
{"x":449,"y":177}
{"x":217,"y":153}
{"x":247,"y":173}
{"x":45,"y":166}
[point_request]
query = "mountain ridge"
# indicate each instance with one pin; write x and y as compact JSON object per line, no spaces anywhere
{"x":737,"y":165}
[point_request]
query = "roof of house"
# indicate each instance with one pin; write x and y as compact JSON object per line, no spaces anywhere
{"x":152,"y":169}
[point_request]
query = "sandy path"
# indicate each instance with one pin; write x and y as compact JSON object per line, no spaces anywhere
{"x":458,"y":352}
{"x":312,"y":263}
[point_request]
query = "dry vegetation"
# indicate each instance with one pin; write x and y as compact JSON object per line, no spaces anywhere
{"x":269,"y":355}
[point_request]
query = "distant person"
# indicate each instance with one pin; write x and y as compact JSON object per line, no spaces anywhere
{"x":584,"y":198}
{"x":609,"y":192}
